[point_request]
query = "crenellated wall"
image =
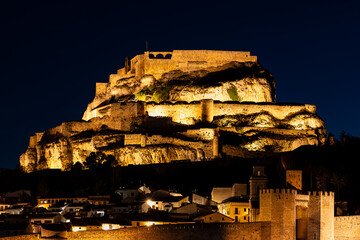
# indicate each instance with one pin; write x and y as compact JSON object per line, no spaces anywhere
{"x":279,"y":207}
{"x":347,"y":228}
{"x":158,"y":63}
{"x":207,"y":231}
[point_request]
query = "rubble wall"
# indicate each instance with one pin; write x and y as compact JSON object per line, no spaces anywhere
{"x":347,"y":228}
{"x":215,"y":231}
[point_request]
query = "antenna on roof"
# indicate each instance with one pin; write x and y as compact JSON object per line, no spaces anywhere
{"x":146,"y":46}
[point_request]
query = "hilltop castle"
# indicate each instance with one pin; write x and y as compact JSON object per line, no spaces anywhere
{"x":180,"y":105}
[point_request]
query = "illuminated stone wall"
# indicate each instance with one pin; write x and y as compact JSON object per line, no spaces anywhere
{"x":278,"y":111}
{"x":298,"y":216}
{"x":186,"y":113}
{"x":194,"y":111}
{"x":209,"y":231}
{"x":185,"y":60}
{"x":278,"y":206}
{"x":347,"y":228}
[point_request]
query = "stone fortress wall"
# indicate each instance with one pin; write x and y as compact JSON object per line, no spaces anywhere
{"x":298,"y":216}
{"x":157,"y":63}
{"x":204,"y":110}
{"x":347,"y":228}
{"x":212,"y":231}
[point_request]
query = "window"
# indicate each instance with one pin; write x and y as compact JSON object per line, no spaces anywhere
{"x":236,"y":211}
{"x":236,"y":219}
{"x":244,"y":217}
{"x":210,"y":218}
{"x":244,"y":209}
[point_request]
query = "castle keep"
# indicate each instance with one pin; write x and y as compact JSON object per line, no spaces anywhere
{"x":181,"y":105}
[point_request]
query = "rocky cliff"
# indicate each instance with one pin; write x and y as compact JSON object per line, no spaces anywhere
{"x":196,"y":115}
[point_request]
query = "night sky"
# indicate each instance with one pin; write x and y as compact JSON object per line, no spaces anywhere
{"x":53,"y":52}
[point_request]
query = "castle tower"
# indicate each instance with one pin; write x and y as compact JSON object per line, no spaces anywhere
{"x":278,"y":206}
{"x":321,"y":216}
{"x":258,"y":181}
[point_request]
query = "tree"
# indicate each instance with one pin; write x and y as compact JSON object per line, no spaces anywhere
{"x":99,"y":159}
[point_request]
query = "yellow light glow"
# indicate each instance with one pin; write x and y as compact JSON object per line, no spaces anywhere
{"x":149,"y":223}
{"x":76,"y":229}
{"x":150,"y":203}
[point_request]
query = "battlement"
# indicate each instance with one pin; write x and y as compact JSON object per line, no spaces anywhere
{"x":321,"y":193}
{"x":347,"y":218}
{"x":293,"y":191}
{"x":277,"y":190}
{"x":158,"y":63}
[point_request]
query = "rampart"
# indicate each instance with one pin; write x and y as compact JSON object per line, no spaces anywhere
{"x":157,"y":63}
{"x":209,"y":231}
{"x":204,"y":110}
{"x":347,"y":228}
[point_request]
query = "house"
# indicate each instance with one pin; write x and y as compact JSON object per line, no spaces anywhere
{"x":195,"y":198}
{"x":46,"y":202}
{"x":20,"y":196}
{"x":86,"y":224}
{"x":237,"y":208}
{"x":219,"y":194}
{"x":74,"y":208}
{"x":214,"y":217}
{"x":99,"y":200}
{"x":165,"y":201}
{"x":97,"y":210}
{"x":133,"y":193}
{"x":135,"y":207}
{"x":193,"y":209}
{"x":15,"y":210}
{"x":3,"y":207}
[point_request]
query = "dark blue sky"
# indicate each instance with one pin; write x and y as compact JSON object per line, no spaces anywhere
{"x":53,"y":52}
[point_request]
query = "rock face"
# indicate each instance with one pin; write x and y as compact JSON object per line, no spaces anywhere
{"x":193,"y":105}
